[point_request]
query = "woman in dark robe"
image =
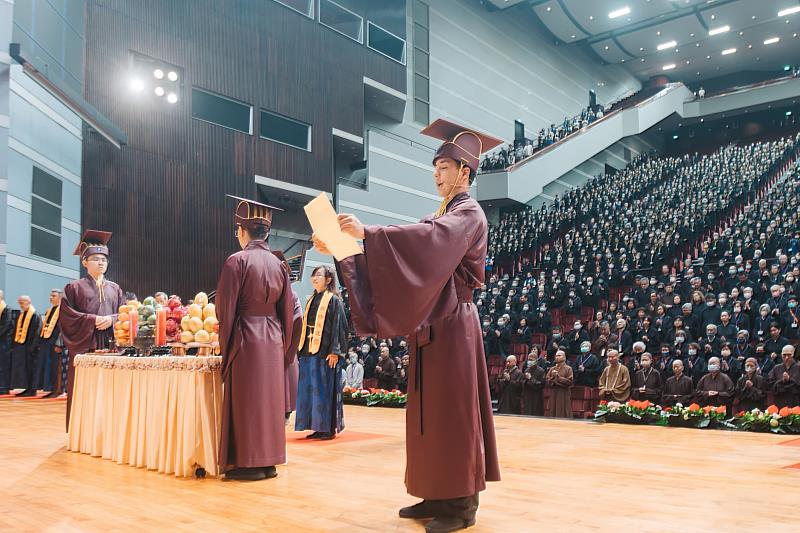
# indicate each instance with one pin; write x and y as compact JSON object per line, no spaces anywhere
{"x":89,"y":305}
{"x":417,"y":280}
{"x":322,"y":349}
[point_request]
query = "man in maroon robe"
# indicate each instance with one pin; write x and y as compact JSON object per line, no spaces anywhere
{"x":255,"y":307}
{"x":89,"y":305}
{"x":292,"y":370}
{"x":417,"y":280}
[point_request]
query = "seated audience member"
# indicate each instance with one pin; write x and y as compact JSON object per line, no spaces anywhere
{"x":647,"y":383}
{"x":385,"y":370}
{"x":559,"y":380}
{"x":775,"y":343}
{"x":715,"y":388}
{"x":784,"y":379}
{"x":765,"y":362}
{"x":587,"y":367}
{"x":696,"y":363}
{"x":729,"y":365}
{"x":509,"y":388}
{"x":615,"y":381}
{"x":354,"y":373}
{"x":401,"y":376}
{"x":533,"y":387}
{"x":750,"y":388}
{"x":678,"y":388}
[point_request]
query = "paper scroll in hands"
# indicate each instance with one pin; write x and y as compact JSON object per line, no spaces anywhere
{"x":322,"y":217}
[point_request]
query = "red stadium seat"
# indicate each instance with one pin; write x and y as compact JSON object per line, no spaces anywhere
{"x":538,"y":339}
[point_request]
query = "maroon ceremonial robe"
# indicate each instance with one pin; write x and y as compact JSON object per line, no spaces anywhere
{"x":255,"y":307}
{"x":292,"y":367}
{"x":80,"y":306}
{"x":417,"y":280}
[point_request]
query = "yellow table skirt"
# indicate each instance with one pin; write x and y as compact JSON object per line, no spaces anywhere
{"x":161,"y":413}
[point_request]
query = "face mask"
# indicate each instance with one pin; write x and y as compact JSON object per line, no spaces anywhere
{"x":713,"y":368}
{"x":750,"y":369}
{"x":723,"y":301}
{"x":710,"y":304}
{"x":556,"y":335}
{"x":353,"y":358}
{"x":365,"y":350}
{"x":584,"y":349}
{"x":726,"y":353}
{"x":529,"y":363}
{"x":542,"y":309}
{"x":525,"y":308}
{"x":764,"y":313}
{"x":645,"y":364}
{"x":741,"y":341}
{"x":679,"y":339}
{"x":665,"y":354}
{"x":692,"y":352}
{"x":792,"y":305}
{"x":578,"y":326}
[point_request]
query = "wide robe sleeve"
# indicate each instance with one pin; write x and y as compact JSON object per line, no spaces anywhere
{"x":228,"y":288}
{"x":395,"y":285}
{"x":5,"y":323}
{"x":297,"y":330}
{"x":285,"y":307}
{"x":77,"y":328}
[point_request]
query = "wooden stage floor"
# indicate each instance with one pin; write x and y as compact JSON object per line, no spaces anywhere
{"x":558,"y":476}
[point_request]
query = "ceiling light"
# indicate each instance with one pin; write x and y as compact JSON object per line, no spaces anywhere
{"x":788,"y":11}
{"x":713,"y":17}
{"x":691,"y":35}
{"x":172,"y":98}
{"x":172,"y":75}
{"x":619,"y":12}
{"x":772,"y":40}
{"x":741,"y":33}
{"x":794,"y":35}
{"x":641,"y":49}
{"x":788,"y":113}
{"x":688,"y":62}
{"x":606,"y":47}
{"x":697,"y":45}
{"x":158,"y":73}
{"x":708,"y":57}
{"x":786,"y":68}
{"x":729,"y":51}
{"x":159,"y":91}
{"x":548,"y":9}
{"x":658,"y":33}
{"x":668,"y":44}
{"x":753,"y":17}
{"x":675,"y":137}
{"x":717,"y":31}
{"x":749,"y":46}
{"x":591,"y":17}
{"x":668,"y":67}
{"x":571,"y":36}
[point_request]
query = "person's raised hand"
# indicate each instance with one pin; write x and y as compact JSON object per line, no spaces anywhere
{"x":320,"y":246}
{"x":350,"y":225}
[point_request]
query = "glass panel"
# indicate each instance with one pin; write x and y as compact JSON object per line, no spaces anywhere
{"x":421,"y":112}
{"x":421,"y":62}
{"x":420,"y":13}
{"x":221,"y":111}
{"x":46,"y":186}
{"x":302,"y":6}
{"x":340,"y":19}
{"x":421,"y":88}
{"x":387,"y":44}
{"x":45,"y":215}
{"x":285,"y":130}
{"x":421,"y":37}
{"x":44,"y":244}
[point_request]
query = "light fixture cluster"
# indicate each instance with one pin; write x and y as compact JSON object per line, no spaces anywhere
{"x":158,"y":78}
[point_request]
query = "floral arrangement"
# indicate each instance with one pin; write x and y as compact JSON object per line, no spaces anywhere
{"x":783,"y":420}
{"x":773,"y":419}
{"x":630,"y":412}
{"x":374,"y":397}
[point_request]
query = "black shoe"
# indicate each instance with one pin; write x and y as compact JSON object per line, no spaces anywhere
{"x":314,"y":435}
{"x":447,"y":524}
{"x":423,"y":509}
{"x":27,"y":393}
{"x":270,"y":472}
{"x":326,"y":436}
{"x":245,"y":474}
{"x":53,"y":394}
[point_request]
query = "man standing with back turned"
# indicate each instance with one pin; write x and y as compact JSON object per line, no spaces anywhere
{"x":255,"y":306}
{"x":417,"y":280}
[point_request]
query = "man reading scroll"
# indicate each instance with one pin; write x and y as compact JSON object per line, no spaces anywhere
{"x":417,"y":280}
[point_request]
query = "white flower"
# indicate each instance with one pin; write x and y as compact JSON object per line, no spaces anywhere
{"x":679,"y":405}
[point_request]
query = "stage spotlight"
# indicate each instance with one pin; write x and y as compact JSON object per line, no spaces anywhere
{"x":136,"y":85}
{"x":158,"y":74}
{"x":172,"y":75}
{"x":159,"y":91}
{"x":172,"y":98}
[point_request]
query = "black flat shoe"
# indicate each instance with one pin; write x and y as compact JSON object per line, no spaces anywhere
{"x":314,"y":435}
{"x":245,"y":474}
{"x":51,"y":395}
{"x":421,"y":510}
{"x":27,"y":393}
{"x":270,"y":472}
{"x":326,"y":436}
{"x":447,"y":524}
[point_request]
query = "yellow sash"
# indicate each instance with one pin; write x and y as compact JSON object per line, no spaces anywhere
{"x":50,"y":321}
{"x":23,"y":322}
{"x":319,"y":323}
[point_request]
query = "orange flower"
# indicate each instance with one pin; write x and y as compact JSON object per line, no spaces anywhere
{"x":740,"y":413}
{"x":796,"y":410}
{"x":603,"y":402}
{"x":646,"y":404}
{"x":772,"y":409}
{"x":785,"y":411}
{"x":708,"y":408}
{"x":721,"y":410}
{"x":694,"y":407}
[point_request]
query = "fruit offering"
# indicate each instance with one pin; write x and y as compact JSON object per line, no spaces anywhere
{"x":198,"y":323}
